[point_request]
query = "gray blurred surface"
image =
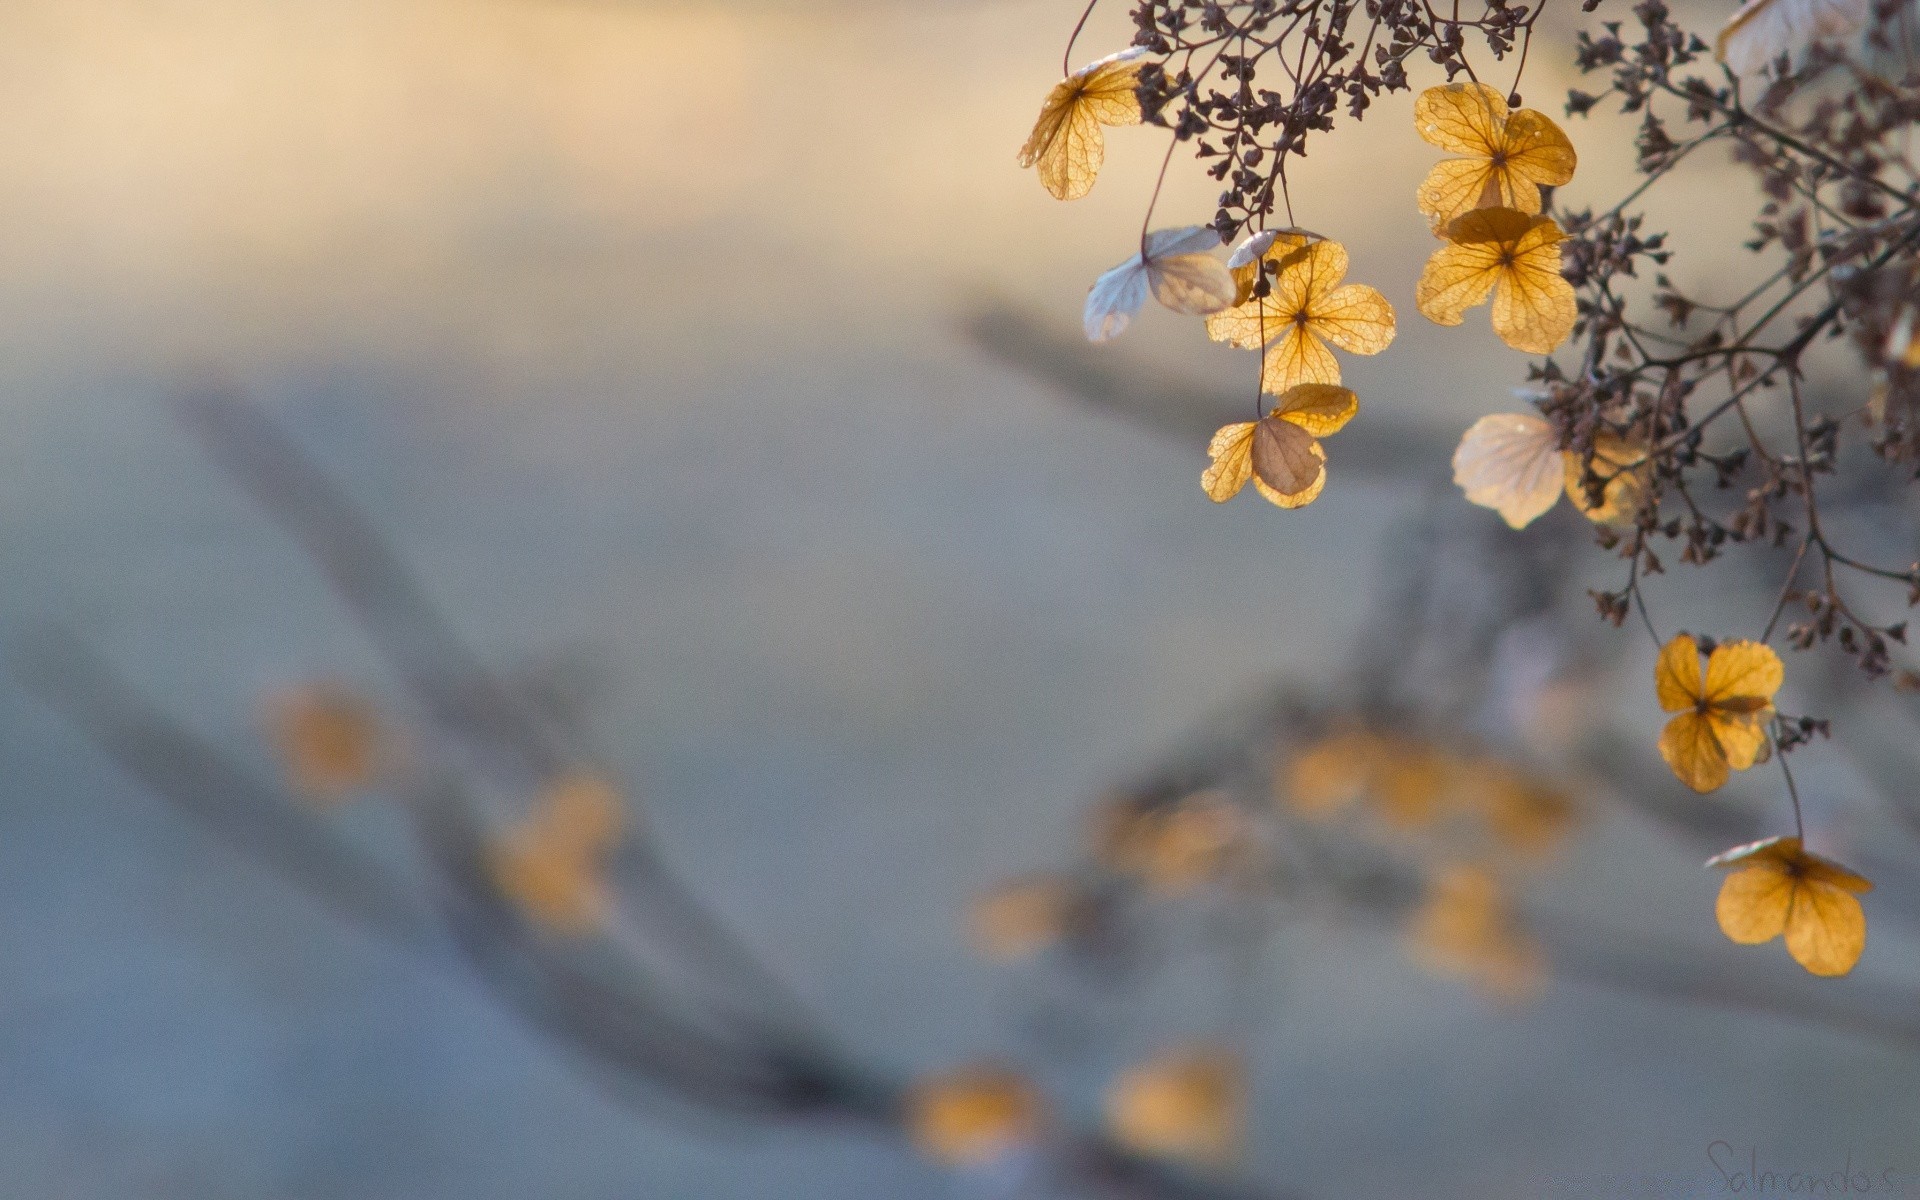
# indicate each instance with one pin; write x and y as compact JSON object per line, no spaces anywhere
{"x":638,"y":329}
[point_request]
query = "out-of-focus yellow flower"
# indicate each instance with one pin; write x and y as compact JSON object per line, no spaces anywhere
{"x":1407,"y":782}
{"x":1020,"y":919}
{"x":1513,"y":257}
{"x":1722,"y":721}
{"x":1467,"y":927}
{"x":328,"y":739}
{"x":1172,"y":847}
{"x":1526,"y":813}
{"x":973,"y":1115}
{"x":552,"y":864}
{"x":1066,"y":142}
{"x":1412,"y":784}
{"x":1509,"y":156}
{"x":1187,"y":1104}
{"x":1324,"y":776}
{"x":1622,"y":470}
{"x":1777,"y":887}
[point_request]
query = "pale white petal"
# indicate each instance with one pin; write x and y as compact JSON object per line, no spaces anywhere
{"x":1191,"y":283}
{"x":1190,"y":239}
{"x":1114,"y":298}
{"x":1763,"y":30}
{"x":1252,"y":247}
{"x":1119,"y":56}
{"x":1511,"y":463}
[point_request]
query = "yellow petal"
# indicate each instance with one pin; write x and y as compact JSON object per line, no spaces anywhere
{"x":1510,"y":462}
{"x":973,"y":1115}
{"x":1457,"y":276}
{"x":1534,"y":306}
{"x":1411,"y":786}
{"x":1020,"y":919}
{"x":1466,"y":118}
{"x":1676,"y":677}
{"x":1249,"y":325}
{"x":328,"y":739}
{"x":1741,"y":736}
{"x":1625,"y":489}
{"x":1539,"y":152}
{"x":579,"y":813}
{"x":1295,"y":357}
{"x":1754,"y":902}
{"x":1827,"y":929}
{"x":1688,"y":745}
{"x":1355,"y":318}
{"x":1297,"y":499}
{"x":1318,"y":408}
{"x":561,"y":891}
{"x":1232,"y":453}
{"x":1066,"y":143}
{"x":1189,"y":1105}
{"x":1286,"y":458}
{"x":1743,"y":670}
{"x":1327,"y":775}
{"x":1307,"y":274}
{"x":1455,"y":186}
{"x":1833,"y":873}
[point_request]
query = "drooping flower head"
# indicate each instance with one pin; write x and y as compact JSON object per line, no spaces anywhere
{"x":973,"y":1115}
{"x":1777,"y":887}
{"x":1723,"y":714}
{"x":1515,"y":258}
{"x":1186,"y":1104}
{"x":1175,"y":267}
{"x":328,"y":738}
{"x":1066,"y":142}
{"x":1307,"y":308}
{"x":1280,"y":453}
{"x":1508,"y":156}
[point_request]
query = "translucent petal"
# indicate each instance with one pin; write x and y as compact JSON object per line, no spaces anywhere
{"x":1826,"y":929}
{"x":1454,"y":187}
{"x":1763,"y":30}
{"x":1511,"y":463}
{"x":1066,"y":143}
{"x":1743,"y":669}
{"x":1195,"y":284}
{"x":1534,"y":308}
{"x":1355,"y":318}
{"x":1318,"y":408}
{"x":1539,"y":152}
{"x":1184,"y":239}
{"x":1466,"y":118}
{"x":1676,"y":677}
{"x":1232,"y":454}
{"x":1457,"y":277}
{"x":1688,"y":746}
{"x":1297,"y":357}
{"x":1754,"y":902}
{"x":1113,"y":300}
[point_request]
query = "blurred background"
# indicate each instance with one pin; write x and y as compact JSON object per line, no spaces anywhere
{"x":650,"y":335}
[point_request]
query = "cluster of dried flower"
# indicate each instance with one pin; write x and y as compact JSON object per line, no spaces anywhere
{"x":1676,"y":418}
